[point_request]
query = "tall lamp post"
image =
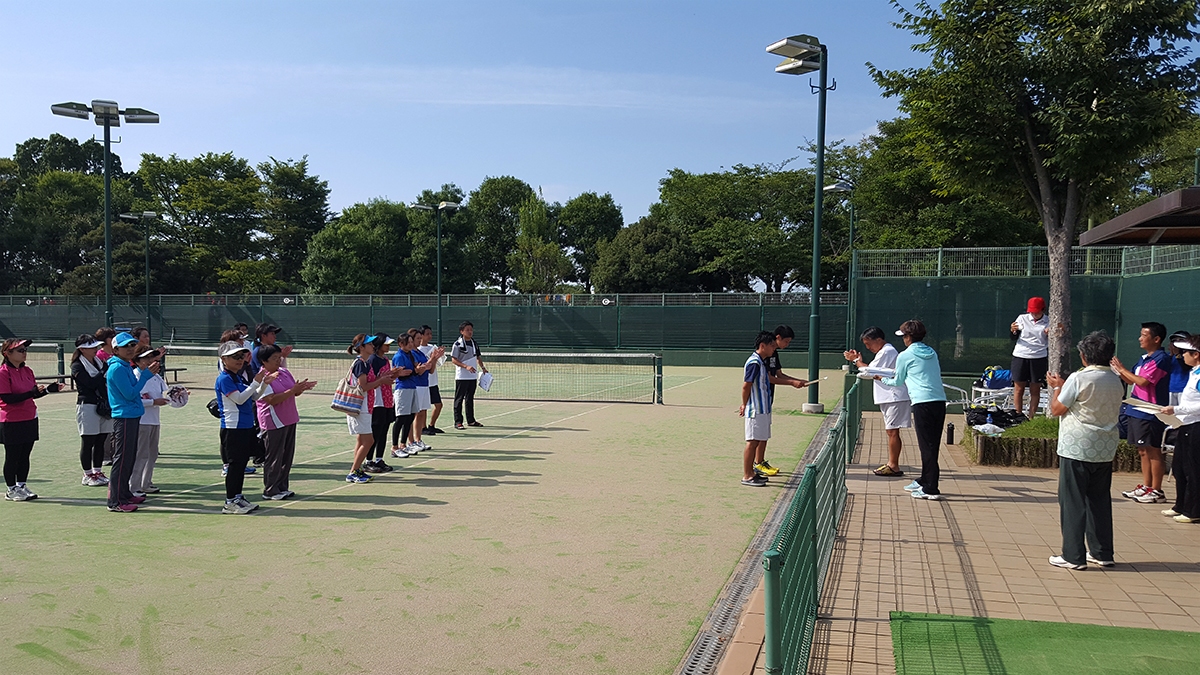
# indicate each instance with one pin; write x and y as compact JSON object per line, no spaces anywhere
{"x":443,"y":206}
{"x":107,"y":114}
{"x":145,"y":217}
{"x":805,"y":54}
{"x":848,"y":189}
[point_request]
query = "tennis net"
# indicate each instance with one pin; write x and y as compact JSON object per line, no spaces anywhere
{"x":539,"y":376}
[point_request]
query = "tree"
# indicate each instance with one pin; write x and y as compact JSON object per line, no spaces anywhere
{"x":295,"y":207}
{"x":1163,"y":168}
{"x":1046,"y":98}
{"x":59,"y":153}
{"x":459,"y":271}
{"x":362,"y":251}
{"x":649,"y":256}
{"x":585,"y":222}
{"x":537,"y":262}
{"x":251,"y":276}
{"x":495,"y":207}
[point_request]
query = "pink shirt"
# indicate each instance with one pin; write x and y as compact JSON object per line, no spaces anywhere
{"x":1150,"y":370}
{"x":281,"y":414}
{"x":17,"y":381}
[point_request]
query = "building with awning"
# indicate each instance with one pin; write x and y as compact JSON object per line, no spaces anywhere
{"x":1171,"y":219}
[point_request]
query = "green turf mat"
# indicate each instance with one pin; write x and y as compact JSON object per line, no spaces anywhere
{"x":928,"y":644}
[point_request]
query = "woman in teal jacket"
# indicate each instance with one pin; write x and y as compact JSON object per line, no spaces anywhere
{"x":125,"y":399}
{"x":918,"y":368}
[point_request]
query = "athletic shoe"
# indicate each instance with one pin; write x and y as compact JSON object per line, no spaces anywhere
{"x":27,"y":492}
{"x":399,"y":452}
{"x":123,"y":508}
{"x":913,"y":486}
{"x":278,"y":496}
{"x":1152,"y":497}
{"x":922,"y":494}
{"x":139,"y":493}
{"x":94,"y":481}
{"x":358,"y":477}
{"x":1135,"y":492}
{"x":413,"y":449}
{"x":259,"y":461}
{"x":107,"y":462}
{"x":1179,"y":519}
{"x":1170,"y":513}
{"x":383,"y":466}
{"x":435,"y":430}
{"x":756,"y":481}
{"x":1059,"y":561}
{"x":474,"y":424}
{"x":1097,"y":561}
{"x":136,"y":500}
{"x":424,"y":445}
{"x":151,"y":490}
{"x":101,"y":476}
{"x":459,"y":427}
{"x":87,"y":478}
{"x":239,"y":506}
{"x":224,"y":470}
{"x":250,"y":469}
{"x":761,"y":475}
{"x":19,"y":493}
{"x":766,"y":468}
{"x":370,"y":467}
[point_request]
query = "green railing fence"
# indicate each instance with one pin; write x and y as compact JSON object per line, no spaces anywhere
{"x":797,"y":563}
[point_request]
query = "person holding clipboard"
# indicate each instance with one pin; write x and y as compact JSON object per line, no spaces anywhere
{"x":468,"y":366}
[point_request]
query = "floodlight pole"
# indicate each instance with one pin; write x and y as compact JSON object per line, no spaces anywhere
{"x":108,"y":294}
{"x":814,"y":404}
{"x":439,"y":275}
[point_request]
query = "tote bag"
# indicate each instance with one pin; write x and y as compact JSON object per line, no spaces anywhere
{"x":348,"y":397}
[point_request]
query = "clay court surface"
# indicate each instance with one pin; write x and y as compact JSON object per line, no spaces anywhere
{"x":560,"y":538}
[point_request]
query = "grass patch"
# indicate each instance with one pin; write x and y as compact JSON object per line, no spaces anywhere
{"x":1038,"y":427}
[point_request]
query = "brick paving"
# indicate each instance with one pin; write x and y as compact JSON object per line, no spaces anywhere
{"x":982,"y":552}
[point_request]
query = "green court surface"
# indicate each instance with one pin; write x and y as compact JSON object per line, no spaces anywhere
{"x":926,"y":644}
{"x":561,"y":537}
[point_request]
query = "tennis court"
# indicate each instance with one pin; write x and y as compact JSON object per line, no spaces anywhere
{"x":562,"y":537}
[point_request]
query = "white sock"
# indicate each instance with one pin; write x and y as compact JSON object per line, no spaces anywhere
{"x":20,"y":484}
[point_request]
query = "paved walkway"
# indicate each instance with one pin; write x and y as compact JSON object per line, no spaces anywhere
{"x":982,"y":552}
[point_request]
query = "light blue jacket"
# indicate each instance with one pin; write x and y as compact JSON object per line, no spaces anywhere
{"x":918,"y":369}
{"x":125,"y":389}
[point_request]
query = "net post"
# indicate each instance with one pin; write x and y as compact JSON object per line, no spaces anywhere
{"x":58,"y":351}
{"x":658,"y":378}
{"x":772,"y":565}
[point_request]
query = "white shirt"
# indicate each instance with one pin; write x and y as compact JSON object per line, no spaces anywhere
{"x":886,"y":358}
{"x":1034,"y":342}
{"x":155,"y":387}
{"x":1188,"y":408}
{"x":427,"y":350}
{"x":1088,"y":431}
{"x":467,"y":354}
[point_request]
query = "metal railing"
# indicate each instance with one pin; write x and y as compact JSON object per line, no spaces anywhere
{"x":796,"y":565}
{"x":988,"y":262}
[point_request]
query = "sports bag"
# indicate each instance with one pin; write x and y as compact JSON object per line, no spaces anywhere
{"x":348,"y":397}
{"x":994,"y":377}
{"x":214,"y":408}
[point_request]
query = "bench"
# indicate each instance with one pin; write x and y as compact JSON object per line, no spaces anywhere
{"x":176,"y":371}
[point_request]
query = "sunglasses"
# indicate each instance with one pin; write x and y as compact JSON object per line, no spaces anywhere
{"x":20,"y":350}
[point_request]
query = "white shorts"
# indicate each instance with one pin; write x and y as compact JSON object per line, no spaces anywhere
{"x":89,"y":422}
{"x":423,"y":399}
{"x":359,"y":424}
{"x":897,"y":414}
{"x":758,"y":428}
{"x":406,"y":401}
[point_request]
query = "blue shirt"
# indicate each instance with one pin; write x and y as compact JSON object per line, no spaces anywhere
{"x":1155,"y":368}
{"x":760,"y":391}
{"x":239,"y":416}
{"x":404,"y":360}
{"x":422,"y":379}
{"x":1179,"y":374}
{"x":125,"y":388}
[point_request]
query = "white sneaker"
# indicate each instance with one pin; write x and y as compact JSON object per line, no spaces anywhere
{"x":424,"y":445}
{"x":94,"y":481}
{"x":400,"y":452}
{"x":412,"y":449}
{"x":1059,"y":561}
{"x":1170,"y":513}
{"x":138,"y":493}
{"x":1097,"y":561}
{"x":913,"y":486}
{"x":1151,"y":497}
{"x":921,"y":494}
{"x":1135,"y":492}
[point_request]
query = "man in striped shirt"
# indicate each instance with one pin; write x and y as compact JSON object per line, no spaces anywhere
{"x":756,"y":408}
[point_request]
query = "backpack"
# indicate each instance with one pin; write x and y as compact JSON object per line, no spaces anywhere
{"x":994,"y":377}
{"x":1001,"y":417}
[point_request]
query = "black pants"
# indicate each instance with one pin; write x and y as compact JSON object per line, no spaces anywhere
{"x":240,"y":445}
{"x":281,"y":452}
{"x":464,"y":391}
{"x":1085,"y":509}
{"x":1186,"y":467}
{"x":402,"y":429}
{"x":16,"y":462}
{"x":91,"y":450}
{"x":381,"y":419}
{"x":125,"y":443}
{"x":928,"y":419}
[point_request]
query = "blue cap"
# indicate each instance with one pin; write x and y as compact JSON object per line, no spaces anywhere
{"x":124,"y":339}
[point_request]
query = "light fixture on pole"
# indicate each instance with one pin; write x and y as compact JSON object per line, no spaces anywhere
{"x":805,"y":54}
{"x":145,"y":217}
{"x":848,"y":189}
{"x":107,"y":114}
{"x":443,"y":206}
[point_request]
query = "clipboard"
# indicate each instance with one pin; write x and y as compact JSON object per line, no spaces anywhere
{"x":1154,"y":409}
{"x":485,"y":381}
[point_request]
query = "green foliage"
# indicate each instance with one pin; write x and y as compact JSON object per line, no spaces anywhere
{"x":495,"y":207}
{"x":537,"y":262}
{"x":363,"y":251}
{"x":585,"y":222}
{"x":59,"y":153}
{"x":649,"y":256}
{"x":459,"y":271}
{"x":250,"y":276}
{"x":1166,"y":166}
{"x":295,"y":207}
{"x":1038,"y":427}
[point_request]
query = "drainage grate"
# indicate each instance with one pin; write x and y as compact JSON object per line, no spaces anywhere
{"x":709,"y":646}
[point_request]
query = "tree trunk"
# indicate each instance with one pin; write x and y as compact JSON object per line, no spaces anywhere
{"x":1059,"y":240}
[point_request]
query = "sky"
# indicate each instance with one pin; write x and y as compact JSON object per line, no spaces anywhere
{"x":389,"y":98}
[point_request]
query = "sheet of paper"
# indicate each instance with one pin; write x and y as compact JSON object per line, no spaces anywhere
{"x":485,"y":381}
{"x":1169,"y":420}
{"x":1145,"y":406}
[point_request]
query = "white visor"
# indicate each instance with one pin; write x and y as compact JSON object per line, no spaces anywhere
{"x":1185,"y":346}
{"x":900,"y":333}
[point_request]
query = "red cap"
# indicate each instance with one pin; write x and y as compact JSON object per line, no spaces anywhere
{"x":1036,"y":305}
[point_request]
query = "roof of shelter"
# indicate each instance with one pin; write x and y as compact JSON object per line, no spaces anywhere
{"x":1171,"y":219}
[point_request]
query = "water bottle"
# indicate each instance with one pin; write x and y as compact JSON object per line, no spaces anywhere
{"x":989,"y":418}
{"x":950,"y":434}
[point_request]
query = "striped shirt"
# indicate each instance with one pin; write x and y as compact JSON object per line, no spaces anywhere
{"x":760,"y":392}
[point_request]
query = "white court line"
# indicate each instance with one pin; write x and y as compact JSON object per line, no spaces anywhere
{"x":431,"y":459}
{"x":687,"y":383}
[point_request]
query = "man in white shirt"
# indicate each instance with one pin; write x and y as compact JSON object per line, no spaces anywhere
{"x":1031,"y":332}
{"x":468,"y":365}
{"x":893,"y":402}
